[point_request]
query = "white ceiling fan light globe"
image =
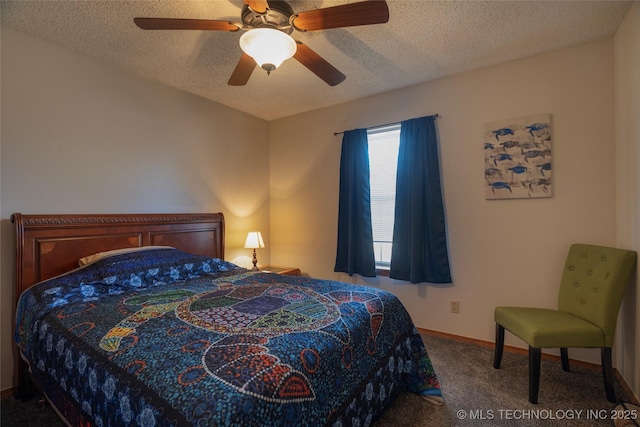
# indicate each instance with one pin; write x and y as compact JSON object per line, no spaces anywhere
{"x":268,"y":47}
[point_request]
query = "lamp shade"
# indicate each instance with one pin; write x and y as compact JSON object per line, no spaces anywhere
{"x":254,"y":240}
{"x":268,"y":47}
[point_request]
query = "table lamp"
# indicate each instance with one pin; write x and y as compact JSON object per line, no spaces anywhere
{"x":254,"y":240}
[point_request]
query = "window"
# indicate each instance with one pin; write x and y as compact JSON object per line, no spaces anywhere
{"x":372,"y":214}
{"x":384,"y":143}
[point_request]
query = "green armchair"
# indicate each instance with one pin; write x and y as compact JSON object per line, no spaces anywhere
{"x":591,"y":290}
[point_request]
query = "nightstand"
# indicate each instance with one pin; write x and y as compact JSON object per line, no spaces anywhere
{"x":287,"y":271}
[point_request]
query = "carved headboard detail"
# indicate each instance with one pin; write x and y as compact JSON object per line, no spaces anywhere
{"x":49,"y":245}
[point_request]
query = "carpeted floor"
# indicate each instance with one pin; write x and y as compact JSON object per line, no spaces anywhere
{"x":475,"y":394}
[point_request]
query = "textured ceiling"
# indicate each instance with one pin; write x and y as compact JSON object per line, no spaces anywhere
{"x":422,"y":41}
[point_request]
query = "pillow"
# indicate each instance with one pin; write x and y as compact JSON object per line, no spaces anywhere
{"x":98,"y":256}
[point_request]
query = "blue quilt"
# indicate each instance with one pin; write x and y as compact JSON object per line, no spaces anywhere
{"x":161,"y":337}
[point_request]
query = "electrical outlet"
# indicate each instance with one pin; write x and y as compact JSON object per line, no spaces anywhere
{"x":455,"y":307}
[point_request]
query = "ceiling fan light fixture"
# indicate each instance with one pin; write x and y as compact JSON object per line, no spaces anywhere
{"x":268,"y":47}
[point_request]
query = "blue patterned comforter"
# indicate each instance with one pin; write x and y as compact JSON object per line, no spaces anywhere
{"x":165,"y":338}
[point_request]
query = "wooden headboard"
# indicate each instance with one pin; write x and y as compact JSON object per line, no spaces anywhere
{"x":49,"y":245}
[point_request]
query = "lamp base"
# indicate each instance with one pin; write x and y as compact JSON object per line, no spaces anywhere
{"x":255,"y":262}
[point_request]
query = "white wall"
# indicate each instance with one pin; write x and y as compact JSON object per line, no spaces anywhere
{"x":627,"y":108}
{"x":502,"y":252}
{"x":78,"y":136}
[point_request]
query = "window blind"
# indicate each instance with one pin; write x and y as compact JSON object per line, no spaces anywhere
{"x":384,"y":143}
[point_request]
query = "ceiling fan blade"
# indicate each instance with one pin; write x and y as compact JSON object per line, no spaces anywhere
{"x":321,"y":68}
{"x":346,"y":15}
{"x":184,"y":24}
{"x":242,"y":72}
{"x":258,"y":6}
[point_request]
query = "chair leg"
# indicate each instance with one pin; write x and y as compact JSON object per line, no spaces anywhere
{"x":564,"y":355}
{"x":535,"y":355}
{"x":497,"y":357}
{"x":607,"y":374}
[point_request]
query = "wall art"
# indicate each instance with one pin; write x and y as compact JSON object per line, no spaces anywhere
{"x":517,"y":158}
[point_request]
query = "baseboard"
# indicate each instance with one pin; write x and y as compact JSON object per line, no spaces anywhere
{"x":524,"y":351}
{"x":634,"y":399}
{"x":6,"y":393}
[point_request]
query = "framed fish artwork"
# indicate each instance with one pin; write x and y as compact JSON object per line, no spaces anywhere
{"x":517,"y":158}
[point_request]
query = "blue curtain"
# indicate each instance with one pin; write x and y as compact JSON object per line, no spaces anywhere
{"x":355,"y":236}
{"x":419,"y":251}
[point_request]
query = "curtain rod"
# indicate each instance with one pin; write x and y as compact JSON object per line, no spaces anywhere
{"x":435,"y":116}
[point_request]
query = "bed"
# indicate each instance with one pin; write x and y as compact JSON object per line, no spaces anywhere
{"x":157,"y":329}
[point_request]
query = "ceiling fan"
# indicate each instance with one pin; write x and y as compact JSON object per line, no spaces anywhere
{"x":268,"y":25}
